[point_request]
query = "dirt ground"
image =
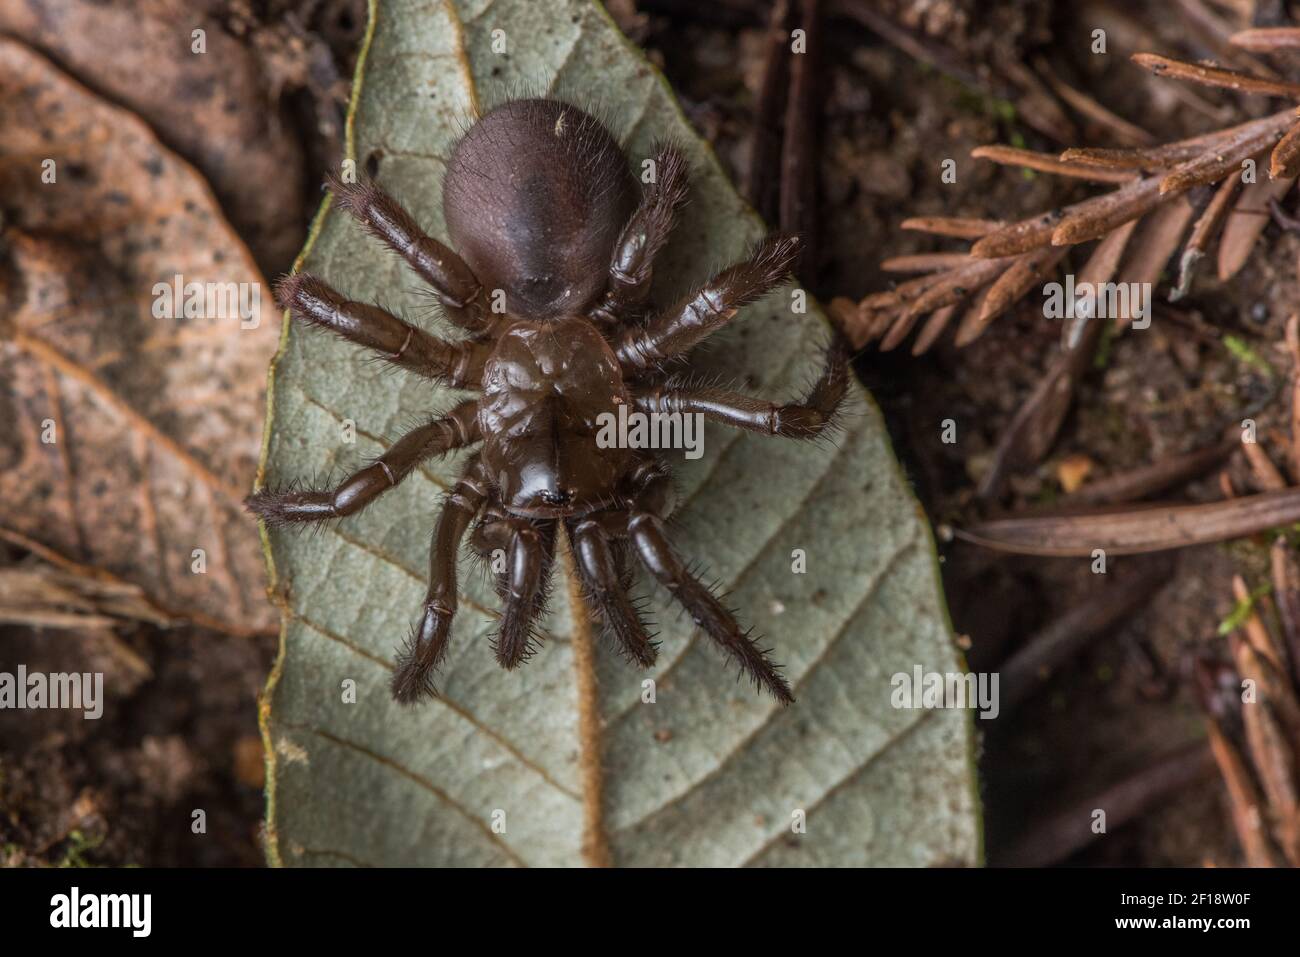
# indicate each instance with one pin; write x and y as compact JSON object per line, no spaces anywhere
{"x":186,"y":735}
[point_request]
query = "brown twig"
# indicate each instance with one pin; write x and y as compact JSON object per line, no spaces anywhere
{"x":1137,"y":531}
{"x":1286,"y":596}
{"x":1050,"y":163}
{"x":1206,"y":228}
{"x":763,"y":186}
{"x":799,"y":148}
{"x":1244,"y":800}
{"x":918,"y":48}
{"x":1216,"y":76}
{"x":1059,"y":835}
{"x":1164,"y":474}
{"x":1267,"y":39}
{"x":1033,"y":665}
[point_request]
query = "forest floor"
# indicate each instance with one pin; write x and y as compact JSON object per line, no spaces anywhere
{"x":188,"y":736}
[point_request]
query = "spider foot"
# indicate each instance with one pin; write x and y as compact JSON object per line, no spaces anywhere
{"x":290,"y":506}
{"x":419,"y":657}
{"x":820,"y":411}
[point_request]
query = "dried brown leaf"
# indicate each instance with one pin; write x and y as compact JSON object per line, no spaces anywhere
{"x":1025,"y":273}
{"x":934,"y":327}
{"x":1285,"y":160}
{"x":133,"y":439}
{"x":216,"y":108}
{"x":1094,"y":218}
{"x":1246,"y":223}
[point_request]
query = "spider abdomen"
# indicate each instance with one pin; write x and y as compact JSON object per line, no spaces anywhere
{"x":535,"y":196}
{"x":545,"y":387}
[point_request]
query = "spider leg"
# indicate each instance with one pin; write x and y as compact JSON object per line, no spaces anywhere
{"x":457,"y":288}
{"x":799,"y":420}
{"x":456,"y":429}
{"x":316,"y":303}
{"x":417,"y":661}
{"x":530,"y":551}
{"x":650,"y":541}
{"x":631,"y":269}
{"x":707,"y":309}
{"x":606,"y":588}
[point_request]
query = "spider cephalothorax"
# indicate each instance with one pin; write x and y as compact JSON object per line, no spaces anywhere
{"x":545,"y":216}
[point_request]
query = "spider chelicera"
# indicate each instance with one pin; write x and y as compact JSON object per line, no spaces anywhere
{"x":545,"y":216}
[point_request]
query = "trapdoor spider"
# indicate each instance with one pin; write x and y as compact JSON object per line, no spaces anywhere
{"x":541,"y":207}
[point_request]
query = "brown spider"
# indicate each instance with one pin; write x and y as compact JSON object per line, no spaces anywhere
{"x":543,"y":211}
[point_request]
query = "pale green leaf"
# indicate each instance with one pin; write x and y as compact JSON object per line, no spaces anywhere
{"x":709,"y":774}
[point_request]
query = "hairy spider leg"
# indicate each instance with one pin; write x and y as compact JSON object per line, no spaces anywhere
{"x":650,"y":541}
{"x":632,"y":267}
{"x":456,"y":429}
{"x":642,"y":524}
{"x":316,"y":303}
{"x":799,"y":420}
{"x":458,"y":289}
{"x":529,"y":549}
{"x":703,"y":312}
{"x":423,"y":652}
{"x":606,"y":590}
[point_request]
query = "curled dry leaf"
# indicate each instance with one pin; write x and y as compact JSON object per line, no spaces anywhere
{"x":1246,"y":222}
{"x":133,"y":437}
{"x":213,"y":107}
{"x":45,"y":597}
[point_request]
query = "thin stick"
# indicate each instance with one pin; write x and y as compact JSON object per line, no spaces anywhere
{"x":956,"y":226}
{"x":1206,"y":228}
{"x":1216,"y":76}
{"x":1061,"y":834}
{"x":1293,"y":346}
{"x":799,"y":149}
{"x":1286,"y":595}
{"x":925,"y":262}
{"x":1050,"y":163}
{"x":1033,"y":665}
{"x":1120,"y":128}
{"x":1137,"y":531}
{"x":1267,"y":39}
{"x":1161,"y":475}
{"x":763,"y":185}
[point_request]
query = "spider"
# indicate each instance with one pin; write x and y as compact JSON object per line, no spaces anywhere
{"x":547,"y":220}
